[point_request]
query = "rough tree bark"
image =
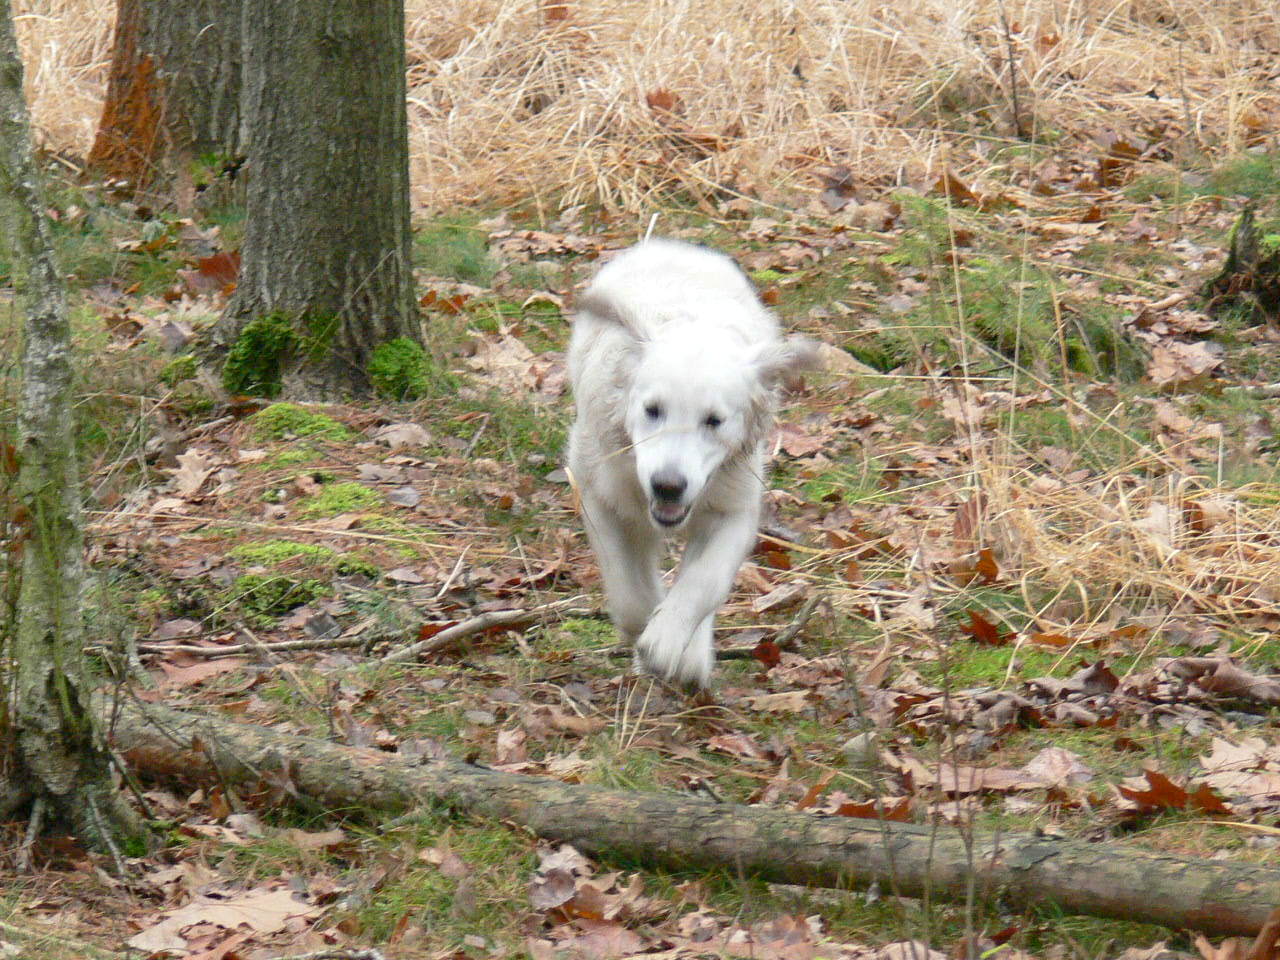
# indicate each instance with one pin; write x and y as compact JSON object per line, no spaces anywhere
{"x":55,"y":756}
{"x":325,"y":275}
{"x":173,"y":93}
{"x":682,"y":832}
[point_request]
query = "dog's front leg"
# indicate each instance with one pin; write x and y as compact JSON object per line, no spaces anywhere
{"x":628,"y":554}
{"x":677,"y":644}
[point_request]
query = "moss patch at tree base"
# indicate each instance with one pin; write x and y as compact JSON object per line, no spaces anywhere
{"x":253,"y":363}
{"x":399,"y":370}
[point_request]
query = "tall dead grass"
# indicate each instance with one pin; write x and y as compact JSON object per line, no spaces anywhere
{"x":551,"y":98}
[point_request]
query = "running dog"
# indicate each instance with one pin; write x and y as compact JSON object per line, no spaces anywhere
{"x":675,"y":365}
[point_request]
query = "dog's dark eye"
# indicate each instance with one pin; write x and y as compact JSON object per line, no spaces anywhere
{"x":653,"y":411}
{"x":712,"y":421}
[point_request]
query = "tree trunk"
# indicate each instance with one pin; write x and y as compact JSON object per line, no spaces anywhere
{"x":55,"y":755}
{"x":173,"y":93}
{"x":325,"y":273}
{"x":681,"y":832}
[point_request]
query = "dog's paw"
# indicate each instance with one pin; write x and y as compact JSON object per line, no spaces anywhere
{"x":680,"y":657}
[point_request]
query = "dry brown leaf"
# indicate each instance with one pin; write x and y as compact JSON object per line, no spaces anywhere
{"x":396,"y":435}
{"x":1174,"y":363}
{"x":262,"y":910}
{"x":601,"y":940}
{"x":1158,"y":792}
{"x":790,"y":701}
{"x":1057,"y":767}
{"x":199,"y":672}
{"x":193,"y":469}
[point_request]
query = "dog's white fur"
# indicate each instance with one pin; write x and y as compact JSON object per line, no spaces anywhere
{"x":674,"y":364}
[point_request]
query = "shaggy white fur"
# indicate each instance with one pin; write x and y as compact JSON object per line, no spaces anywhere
{"x":675,"y":364}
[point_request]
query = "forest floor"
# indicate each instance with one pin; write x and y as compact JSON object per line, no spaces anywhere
{"x":1023,"y":534}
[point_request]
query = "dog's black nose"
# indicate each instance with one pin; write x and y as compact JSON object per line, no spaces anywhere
{"x":668,"y":486}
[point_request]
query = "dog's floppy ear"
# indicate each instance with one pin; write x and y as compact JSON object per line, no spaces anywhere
{"x":603,"y":307}
{"x":776,"y":362}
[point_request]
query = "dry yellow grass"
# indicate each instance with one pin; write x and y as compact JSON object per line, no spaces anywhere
{"x":527,"y":97}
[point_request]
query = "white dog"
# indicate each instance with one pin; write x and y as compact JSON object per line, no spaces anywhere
{"x":674,"y":363}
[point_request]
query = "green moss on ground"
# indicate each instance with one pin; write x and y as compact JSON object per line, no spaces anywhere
{"x":179,"y":369}
{"x":270,"y":595}
{"x":338,"y":498}
{"x":282,"y":421}
{"x":272,"y":553}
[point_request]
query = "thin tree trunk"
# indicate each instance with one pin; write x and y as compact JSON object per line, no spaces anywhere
{"x":173,"y":93}
{"x":58,"y":757}
{"x":681,"y":832}
{"x":326,"y":250}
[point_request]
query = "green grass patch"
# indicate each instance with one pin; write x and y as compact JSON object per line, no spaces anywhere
{"x":1113,"y":437}
{"x":579,"y":634}
{"x":491,"y":901}
{"x":179,"y":369}
{"x":1254,"y":176}
{"x":273,"y":552}
{"x":510,"y":430}
{"x":995,"y":307}
{"x":967,"y":664}
{"x":456,"y":249}
{"x":290,"y":457}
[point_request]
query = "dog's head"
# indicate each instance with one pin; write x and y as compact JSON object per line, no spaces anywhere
{"x":693,"y":405}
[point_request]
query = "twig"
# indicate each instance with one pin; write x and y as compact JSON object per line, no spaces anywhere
{"x":484,"y":425}
{"x":210,"y":426}
{"x":1269,"y":390}
{"x":1013,"y":75}
{"x":453,"y":574}
{"x":106,"y":836}
{"x":485,"y":621}
{"x":25,"y":858}
{"x":792,"y":630}
{"x":1192,"y":132}
{"x":239,"y":649}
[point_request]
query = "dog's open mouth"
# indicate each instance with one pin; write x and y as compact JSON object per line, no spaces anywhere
{"x":668,"y":514}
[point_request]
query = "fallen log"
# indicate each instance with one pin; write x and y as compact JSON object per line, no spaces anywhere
{"x":680,"y":832}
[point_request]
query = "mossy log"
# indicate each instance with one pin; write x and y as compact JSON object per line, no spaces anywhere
{"x":679,"y":832}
